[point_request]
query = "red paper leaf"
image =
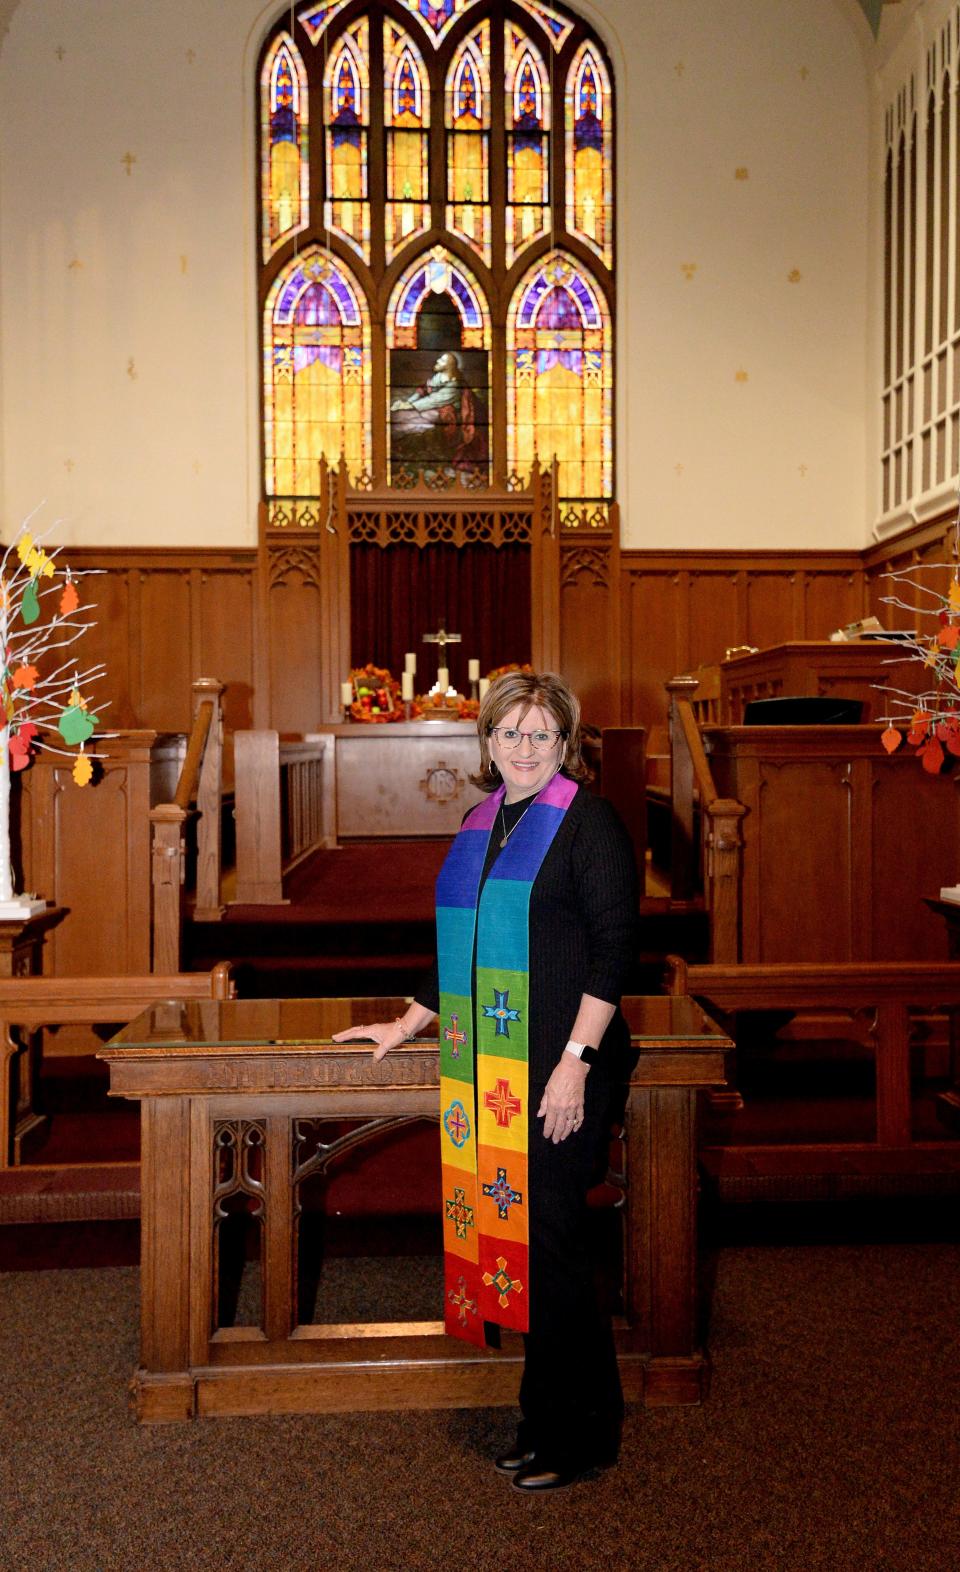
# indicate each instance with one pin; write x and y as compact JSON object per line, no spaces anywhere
{"x":19,"y":753}
{"x":931,"y":756}
{"x":953,"y":743}
{"x":69,"y":600}
{"x":891,"y":739}
{"x":25,"y":677}
{"x":916,"y":735}
{"x":25,"y":732}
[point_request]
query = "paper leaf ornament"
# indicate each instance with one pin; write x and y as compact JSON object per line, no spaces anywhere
{"x":83,"y":770}
{"x":954,"y":596}
{"x":20,"y":751}
{"x":949,"y":637}
{"x":25,"y":677}
{"x":24,"y":546}
{"x":931,"y":756}
{"x":891,"y":739}
{"x":75,"y":725}
{"x":30,"y":605}
{"x":69,"y":600}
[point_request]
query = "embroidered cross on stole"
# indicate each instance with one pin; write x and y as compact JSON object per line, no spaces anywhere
{"x":484,"y":1021}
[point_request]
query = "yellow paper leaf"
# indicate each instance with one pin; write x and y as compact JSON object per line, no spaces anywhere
{"x":33,"y":559}
{"x":82,"y":770}
{"x":24,"y":546}
{"x":48,"y":568}
{"x":930,"y":659}
{"x":955,"y":595}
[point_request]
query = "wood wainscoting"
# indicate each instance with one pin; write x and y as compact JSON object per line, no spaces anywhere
{"x":684,"y":609}
{"x":629,"y":620}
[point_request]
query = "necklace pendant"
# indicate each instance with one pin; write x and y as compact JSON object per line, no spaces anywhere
{"x":504,"y":842}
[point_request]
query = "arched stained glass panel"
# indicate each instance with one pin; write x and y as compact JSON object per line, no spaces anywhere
{"x":528,"y":143}
{"x":347,"y":118}
{"x":316,"y":375}
{"x":406,"y":115}
{"x":284,"y":165}
{"x":589,"y":152}
{"x":468,"y":141}
{"x":438,"y":340}
{"x":560,"y":377}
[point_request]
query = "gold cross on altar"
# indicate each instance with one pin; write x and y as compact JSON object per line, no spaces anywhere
{"x":443,"y":638}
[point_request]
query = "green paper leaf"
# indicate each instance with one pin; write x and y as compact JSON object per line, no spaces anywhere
{"x":75,"y":725}
{"x":30,"y":605}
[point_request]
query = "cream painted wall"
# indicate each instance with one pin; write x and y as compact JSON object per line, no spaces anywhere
{"x":128,"y":356}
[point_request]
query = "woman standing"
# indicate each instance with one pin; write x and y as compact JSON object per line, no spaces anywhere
{"x":536,"y":913}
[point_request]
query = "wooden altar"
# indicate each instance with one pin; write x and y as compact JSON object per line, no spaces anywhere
{"x":232,"y":1095}
{"x":407,"y":779}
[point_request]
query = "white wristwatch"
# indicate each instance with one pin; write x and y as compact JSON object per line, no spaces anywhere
{"x":582,"y":1051}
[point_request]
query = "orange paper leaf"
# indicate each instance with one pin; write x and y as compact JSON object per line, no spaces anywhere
{"x":82,"y":770}
{"x":891,"y":739}
{"x":69,"y":600}
{"x":931,"y":756}
{"x":25,"y":677}
{"x":949,"y":637}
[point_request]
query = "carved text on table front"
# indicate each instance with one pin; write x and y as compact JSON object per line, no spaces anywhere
{"x":322,"y":1068}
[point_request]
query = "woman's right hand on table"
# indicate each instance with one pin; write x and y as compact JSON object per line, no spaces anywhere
{"x":386,"y":1035}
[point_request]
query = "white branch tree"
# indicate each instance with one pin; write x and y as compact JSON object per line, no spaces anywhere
{"x":43,"y":688}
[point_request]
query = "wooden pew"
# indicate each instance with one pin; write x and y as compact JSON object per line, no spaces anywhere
{"x":887,"y":994}
{"x":27,"y":1006}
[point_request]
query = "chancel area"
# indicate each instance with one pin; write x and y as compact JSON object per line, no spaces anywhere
{"x":355,"y":356}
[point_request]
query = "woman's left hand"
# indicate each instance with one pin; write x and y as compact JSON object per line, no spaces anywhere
{"x":562,"y":1107}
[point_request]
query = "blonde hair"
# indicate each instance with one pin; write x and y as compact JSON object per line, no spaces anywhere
{"x":530,"y":689}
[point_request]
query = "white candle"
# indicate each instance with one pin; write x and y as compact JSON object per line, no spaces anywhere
{"x":406,"y":685}
{"x":410,"y":662}
{"x":484,"y":685}
{"x":346,"y":693}
{"x":451,"y":693}
{"x":443,"y":679}
{"x":473,"y":670}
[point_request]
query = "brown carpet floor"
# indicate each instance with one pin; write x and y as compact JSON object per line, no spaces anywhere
{"x":829,"y":1442}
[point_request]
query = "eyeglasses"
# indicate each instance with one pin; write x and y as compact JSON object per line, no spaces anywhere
{"x":509,"y":737}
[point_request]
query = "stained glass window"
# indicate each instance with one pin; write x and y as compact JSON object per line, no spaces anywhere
{"x":558,"y":27}
{"x":560,"y":376}
{"x":394,"y":329}
{"x":589,"y":152}
{"x":284,"y":165}
{"x":316,"y":336}
{"x":438,"y":18}
{"x":438,"y":341}
{"x":528,"y":155}
{"x":347,"y":116}
{"x":317,"y":17}
{"x":468,"y":141}
{"x":406,"y":114}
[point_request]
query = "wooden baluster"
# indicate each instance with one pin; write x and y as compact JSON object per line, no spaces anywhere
{"x":722,"y":878}
{"x":208,"y":906}
{"x":168,"y":820}
{"x":683,"y":851}
{"x":258,"y":813}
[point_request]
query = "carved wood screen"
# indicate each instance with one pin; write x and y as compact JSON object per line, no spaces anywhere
{"x":305,"y":571}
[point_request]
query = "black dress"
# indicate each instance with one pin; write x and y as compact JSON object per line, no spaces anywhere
{"x":583,"y":913}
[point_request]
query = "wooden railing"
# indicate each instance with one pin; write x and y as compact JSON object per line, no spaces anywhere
{"x":201,"y":782}
{"x":280,"y":789}
{"x":713,"y":855}
{"x":30,"y":1004}
{"x":880,"y":998}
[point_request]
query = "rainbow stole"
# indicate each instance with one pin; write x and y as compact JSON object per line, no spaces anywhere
{"x":485,"y":1233}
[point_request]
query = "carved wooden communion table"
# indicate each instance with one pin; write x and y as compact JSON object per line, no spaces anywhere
{"x":233,"y":1098}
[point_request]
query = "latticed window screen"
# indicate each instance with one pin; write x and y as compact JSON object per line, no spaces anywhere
{"x":921,"y":342}
{"x":436,"y":245}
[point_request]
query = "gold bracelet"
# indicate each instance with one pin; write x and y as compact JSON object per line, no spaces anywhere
{"x":407,"y":1036}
